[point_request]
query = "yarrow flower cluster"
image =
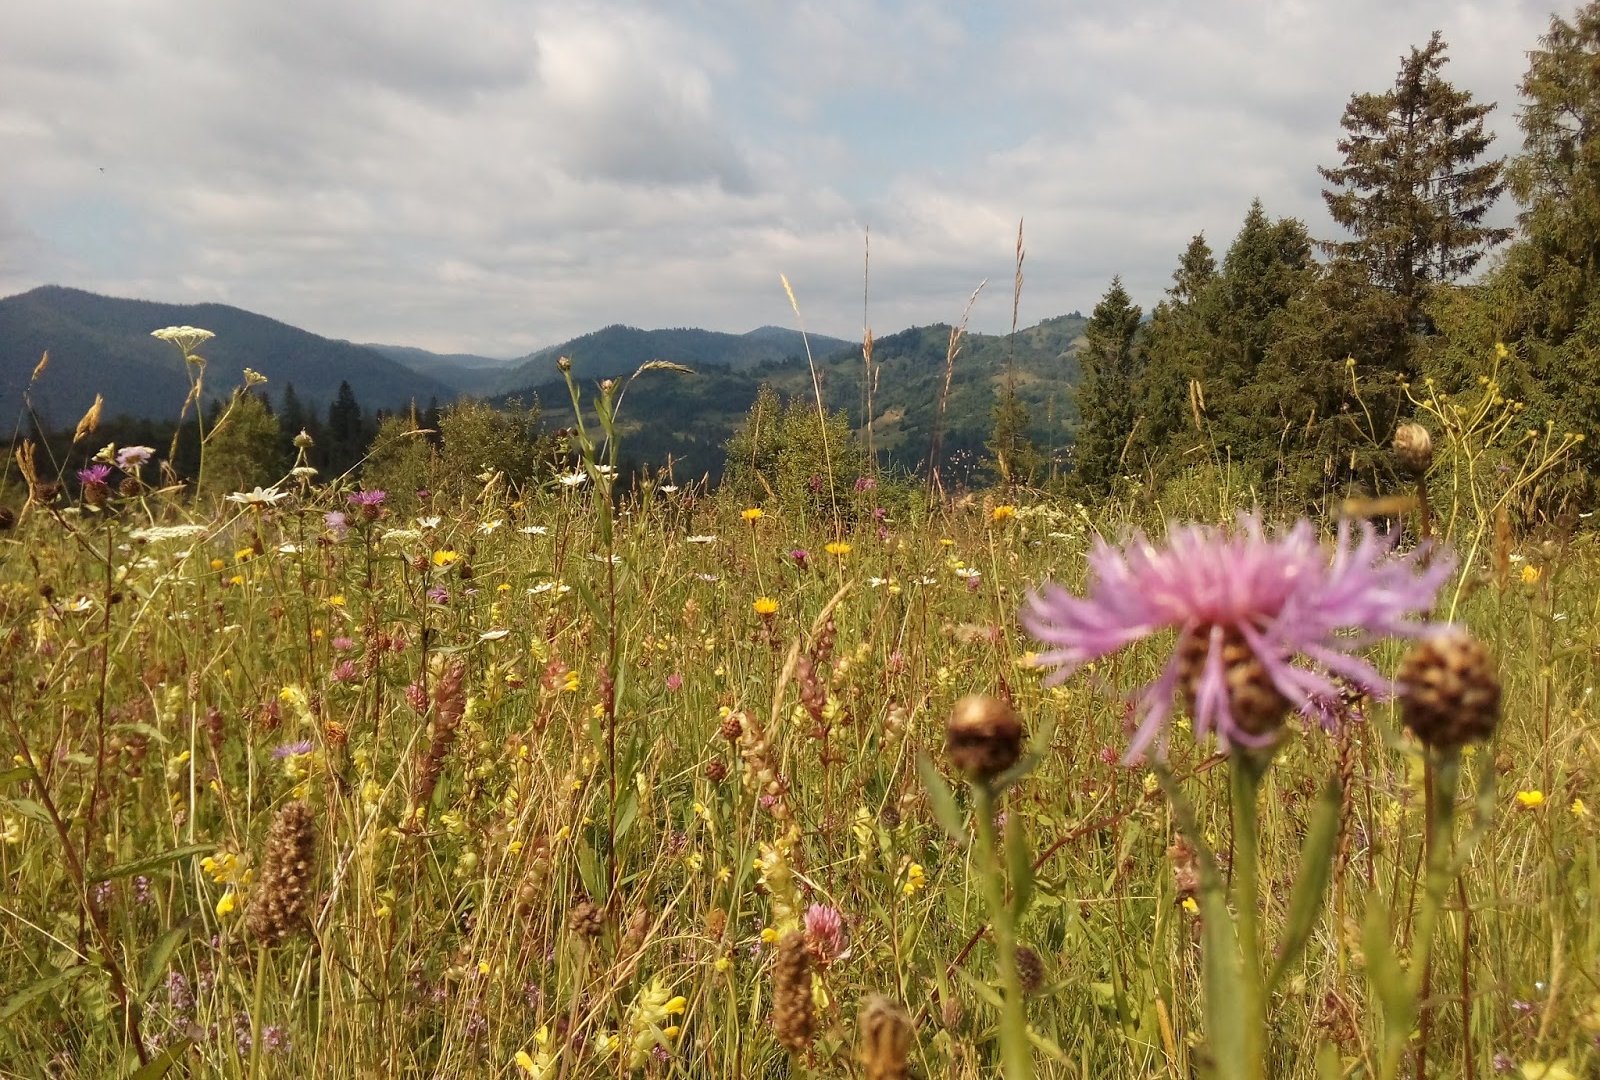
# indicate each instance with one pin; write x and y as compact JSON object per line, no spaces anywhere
{"x":1245,"y":605}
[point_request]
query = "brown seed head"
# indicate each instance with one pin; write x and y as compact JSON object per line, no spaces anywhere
{"x":1256,"y":705}
{"x":1449,"y":690}
{"x":1030,"y":970}
{"x":794,"y":1018}
{"x":287,"y":868}
{"x":1413,"y":450}
{"x":587,"y":920}
{"x":884,"y":1036}
{"x":983,"y":737}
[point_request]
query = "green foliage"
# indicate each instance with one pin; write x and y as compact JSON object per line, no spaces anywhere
{"x":1105,"y":397}
{"x":479,"y":438}
{"x":1411,"y":188}
{"x":400,"y":461}
{"x":242,"y":452}
{"x":790,"y":454}
{"x":1013,"y":456}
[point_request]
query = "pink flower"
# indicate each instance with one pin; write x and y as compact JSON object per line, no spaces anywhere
{"x":1279,"y":597}
{"x":824,"y":933}
{"x":675,"y":681}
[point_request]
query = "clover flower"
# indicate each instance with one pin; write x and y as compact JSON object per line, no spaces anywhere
{"x":824,"y":933}
{"x":1245,"y":606}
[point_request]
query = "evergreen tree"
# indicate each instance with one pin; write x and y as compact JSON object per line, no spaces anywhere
{"x":1012,"y":453}
{"x":1175,"y":346}
{"x":1412,"y":190}
{"x":242,"y":451}
{"x":344,"y":416}
{"x":1107,"y":407}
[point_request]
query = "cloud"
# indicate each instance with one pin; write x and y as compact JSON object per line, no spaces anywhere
{"x":496,"y":175}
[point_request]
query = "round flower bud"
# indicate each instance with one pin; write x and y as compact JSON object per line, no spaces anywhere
{"x":563,"y":364}
{"x":1449,"y":690}
{"x":983,"y":737}
{"x":302,"y":441}
{"x":1413,"y":450}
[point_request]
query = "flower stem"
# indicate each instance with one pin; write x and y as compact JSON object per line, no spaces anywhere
{"x":1246,"y":771}
{"x":1015,"y":1055}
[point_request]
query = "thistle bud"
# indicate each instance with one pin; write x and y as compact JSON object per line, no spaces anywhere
{"x":983,"y":737}
{"x":1413,"y":450}
{"x":1449,"y":690}
{"x":563,"y":364}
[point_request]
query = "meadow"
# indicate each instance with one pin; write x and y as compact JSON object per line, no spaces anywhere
{"x":528,"y":784}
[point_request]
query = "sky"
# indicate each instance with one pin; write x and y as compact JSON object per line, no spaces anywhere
{"x":494,"y":176}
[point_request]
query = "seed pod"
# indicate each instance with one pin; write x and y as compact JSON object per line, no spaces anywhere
{"x":983,"y":737}
{"x":1413,"y":450}
{"x":1449,"y":690}
{"x":286,"y":871}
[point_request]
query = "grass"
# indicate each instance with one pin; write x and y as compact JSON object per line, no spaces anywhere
{"x":166,"y":695}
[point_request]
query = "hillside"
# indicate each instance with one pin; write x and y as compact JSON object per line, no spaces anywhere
{"x":101,"y":344}
{"x":464,"y":373}
{"x":619,"y":350}
{"x":687,"y":419}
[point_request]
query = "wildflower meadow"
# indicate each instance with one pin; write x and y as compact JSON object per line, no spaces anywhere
{"x":567,"y":779}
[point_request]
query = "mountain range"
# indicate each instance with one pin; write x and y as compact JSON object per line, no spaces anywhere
{"x":100,"y":344}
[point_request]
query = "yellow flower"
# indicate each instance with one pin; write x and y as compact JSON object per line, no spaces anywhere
{"x":1530,"y":574}
{"x":722,"y":964}
{"x":769,"y":935}
{"x":765,"y":605}
{"x":752,"y":514}
{"x":837,"y":547}
{"x":237,"y":579}
{"x":244,"y":554}
{"x":226,"y":905}
{"x":1531,"y":800}
{"x":916,"y":880}
{"x":945,"y":541}
{"x":217,"y":564}
{"x":337,"y":600}
{"x":1190,"y":906}
{"x":1004,"y":512}
{"x":1579,"y":808}
{"x":445,"y":557}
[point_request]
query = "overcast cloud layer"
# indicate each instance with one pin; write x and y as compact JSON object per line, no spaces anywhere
{"x":498,"y":175}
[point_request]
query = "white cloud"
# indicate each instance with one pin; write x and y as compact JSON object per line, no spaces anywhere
{"x":495,"y":175}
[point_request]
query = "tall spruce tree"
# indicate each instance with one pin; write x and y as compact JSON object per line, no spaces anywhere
{"x":1175,"y":345}
{"x":1412,"y":189}
{"x":1107,"y":406}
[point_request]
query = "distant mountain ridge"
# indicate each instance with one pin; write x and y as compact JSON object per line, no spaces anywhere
{"x":101,"y":344}
{"x":619,"y":350}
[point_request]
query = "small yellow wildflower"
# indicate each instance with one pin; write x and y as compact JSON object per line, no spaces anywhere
{"x":226,"y":905}
{"x":1190,"y":906}
{"x":765,"y":605}
{"x":1530,"y":800}
{"x":337,"y":600}
{"x":217,"y":564}
{"x":10,"y":830}
{"x":1004,"y":512}
{"x":244,"y":554}
{"x":722,"y":964}
{"x":1530,"y":574}
{"x":916,"y":880}
{"x":754,"y":513}
{"x":837,"y":547}
{"x":945,"y":541}
{"x":1579,"y":808}
{"x":769,"y":935}
{"x":483,"y":967}
{"x":237,"y":579}
{"x":445,"y":556}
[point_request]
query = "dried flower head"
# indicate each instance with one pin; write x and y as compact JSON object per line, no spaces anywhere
{"x":794,"y":1019}
{"x":983,"y":737}
{"x":1413,"y":450}
{"x":587,"y":920}
{"x":1030,"y":970}
{"x":1449,"y":690}
{"x":1245,"y":606}
{"x":287,"y":866}
{"x":884,"y":1040}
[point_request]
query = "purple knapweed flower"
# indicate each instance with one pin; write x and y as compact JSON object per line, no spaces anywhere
{"x":132,"y":456}
{"x":439,"y":594}
{"x":304,"y":746}
{"x":801,"y":557}
{"x":344,"y":671}
{"x":368,"y":498}
{"x":1237,"y":597}
{"x":94,"y":474}
{"x":865,"y":483}
{"x":336,"y":523}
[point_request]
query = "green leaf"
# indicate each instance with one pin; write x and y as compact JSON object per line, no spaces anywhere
{"x":1329,"y":1067}
{"x":627,"y":813}
{"x":1019,"y":865}
{"x":1383,"y":970}
{"x":20,"y":1000}
{"x":941,"y":799}
{"x":163,"y":1062}
{"x":29,"y":809}
{"x":17,"y":775}
{"x":151,"y":862}
{"x":1222,"y":972}
{"x":155,"y":962}
{"x":1311,"y":882}
{"x":589,"y":870}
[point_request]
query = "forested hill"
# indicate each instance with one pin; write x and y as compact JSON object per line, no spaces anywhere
{"x":690,"y":417}
{"x":100,"y":344}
